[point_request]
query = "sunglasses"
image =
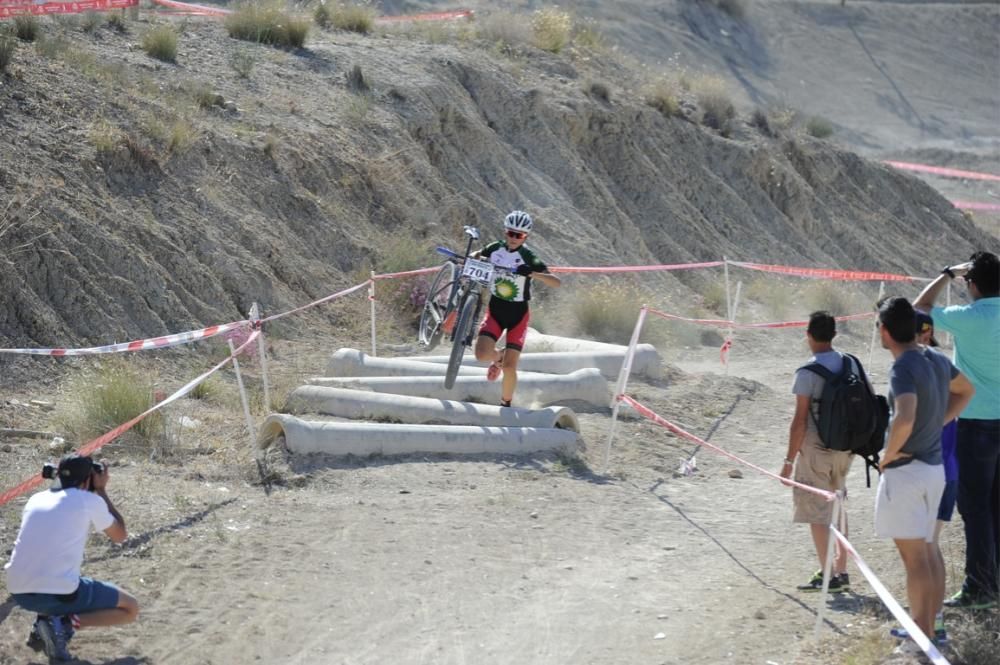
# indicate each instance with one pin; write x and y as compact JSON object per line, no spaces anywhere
{"x":516,"y":235}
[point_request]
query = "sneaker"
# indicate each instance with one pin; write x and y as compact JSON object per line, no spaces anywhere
{"x":967,"y":601}
{"x":493,"y":373}
{"x":505,"y":402}
{"x":54,"y":633}
{"x":35,"y":642}
{"x":940,"y":634}
{"x":815,"y":583}
{"x":844,"y":581}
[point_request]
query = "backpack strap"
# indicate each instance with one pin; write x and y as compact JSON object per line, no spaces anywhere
{"x":825,"y":374}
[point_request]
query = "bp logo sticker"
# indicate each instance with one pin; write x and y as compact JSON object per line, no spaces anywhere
{"x":505,"y":289}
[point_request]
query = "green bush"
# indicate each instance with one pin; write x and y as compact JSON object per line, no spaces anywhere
{"x":663,"y":97}
{"x":7,"y":47}
{"x":26,"y":27}
{"x":109,"y":396}
{"x":242,"y":62}
{"x":713,"y":99}
{"x":161,"y":43}
{"x":207,"y":390}
{"x":819,"y":127}
{"x":267,"y":25}
{"x":91,"y":21}
{"x":551,"y":29}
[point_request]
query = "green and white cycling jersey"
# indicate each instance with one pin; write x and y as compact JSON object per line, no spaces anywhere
{"x":512,"y":288}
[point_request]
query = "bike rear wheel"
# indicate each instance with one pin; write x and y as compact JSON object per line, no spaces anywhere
{"x":436,"y":306}
{"x":463,"y":336}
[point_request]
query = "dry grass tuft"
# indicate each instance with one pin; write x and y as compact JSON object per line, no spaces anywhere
{"x":109,"y":395}
{"x":8,"y":46}
{"x":504,"y":28}
{"x":267,"y":24}
{"x":607,"y":312}
{"x":351,"y":16}
{"x":713,"y":98}
{"x":819,"y":127}
{"x":161,"y":43}
{"x":27,"y":27}
{"x":551,"y":29}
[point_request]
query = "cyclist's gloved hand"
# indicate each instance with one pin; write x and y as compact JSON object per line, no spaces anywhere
{"x":524,"y":270}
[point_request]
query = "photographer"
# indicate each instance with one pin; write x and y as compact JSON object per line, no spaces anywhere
{"x":43,"y":574}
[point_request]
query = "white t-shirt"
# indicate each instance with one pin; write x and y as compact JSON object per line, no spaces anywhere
{"x":49,"y":547}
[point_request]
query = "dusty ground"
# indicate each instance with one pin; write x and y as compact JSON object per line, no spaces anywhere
{"x":489,"y":560}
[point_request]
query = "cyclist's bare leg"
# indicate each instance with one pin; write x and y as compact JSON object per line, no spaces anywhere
{"x":486,"y":350}
{"x":510,"y":358}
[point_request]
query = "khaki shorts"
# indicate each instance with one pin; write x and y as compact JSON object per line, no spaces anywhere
{"x":907,"y":502}
{"x":822,"y":468}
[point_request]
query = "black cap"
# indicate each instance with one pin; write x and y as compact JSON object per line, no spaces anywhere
{"x":925,"y":324}
{"x":74,"y":470}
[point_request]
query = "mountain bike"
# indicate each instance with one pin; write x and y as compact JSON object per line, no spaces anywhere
{"x":456,"y":292}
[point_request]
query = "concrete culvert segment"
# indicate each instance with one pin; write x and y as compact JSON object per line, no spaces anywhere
{"x":336,"y":438}
{"x":584,"y":385}
{"x":351,"y":362}
{"x":363,"y":405}
{"x":609,"y":362}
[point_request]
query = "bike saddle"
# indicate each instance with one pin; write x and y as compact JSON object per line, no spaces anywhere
{"x":472,"y":231}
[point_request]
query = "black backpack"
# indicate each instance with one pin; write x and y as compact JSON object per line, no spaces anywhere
{"x":851,"y":416}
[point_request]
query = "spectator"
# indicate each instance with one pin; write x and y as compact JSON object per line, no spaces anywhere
{"x":813,"y":463}
{"x":925,"y":391}
{"x":43,"y":574}
{"x":976,"y":331}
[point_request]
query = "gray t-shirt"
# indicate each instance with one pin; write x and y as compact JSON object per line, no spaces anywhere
{"x":811,"y":384}
{"x":927,"y":374}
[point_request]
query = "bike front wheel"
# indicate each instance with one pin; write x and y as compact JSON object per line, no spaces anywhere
{"x":463,"y":336}
{"x":436,"y":306}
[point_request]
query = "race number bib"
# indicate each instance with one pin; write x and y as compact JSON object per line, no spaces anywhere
{"x":480,"y":271}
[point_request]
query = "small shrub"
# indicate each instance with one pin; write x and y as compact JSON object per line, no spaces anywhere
{"x":735,"y":8}
{"x":829,"y":296}
{"x":242,"y":62}
{"x":760,"y":120}
{"x":27,"y":27}
{"x":662,"y":96}
{"x":504,"y":28}
{"x":105,"y":137}
{"x":607,"y":312}
{"x":182,"y":136}
{"x":819,"y":127}
{"x":8,"y":45}
{"x":267,"y":25}
{"x":117,"y":23}
{"x":110,"y":396}
{"x":587,"y":37}
{"x":208,"y":389}
{"x":356,"y":80}
{"x":714,"y":299}
{"x":353,"y":17}
{"x":976,"y":637}
{"x":551,"y":29}
{"x":598,"y":90}
{"x":161,"y":43}
{"x":713,"y":99}
{"x":90,"y":22}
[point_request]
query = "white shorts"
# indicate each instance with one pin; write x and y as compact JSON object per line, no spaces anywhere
{"x":907,"y":502}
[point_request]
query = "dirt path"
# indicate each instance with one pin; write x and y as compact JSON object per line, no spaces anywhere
{"x":438,"y":560}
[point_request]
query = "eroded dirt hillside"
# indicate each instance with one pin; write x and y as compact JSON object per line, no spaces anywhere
{"x":138,"y":204}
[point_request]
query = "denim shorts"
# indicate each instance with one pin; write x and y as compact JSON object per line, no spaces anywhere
{"x":90,"y":596}
{"x":947,"y":507}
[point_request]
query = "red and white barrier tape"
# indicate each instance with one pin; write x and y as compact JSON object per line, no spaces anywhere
{"x":942,"y":171}
{"x":972,"y":205}
{"x":197,"y":10}
{"x":17,"y":7}
{"x":652,"y":268}
{"x":106,"y":438}
{"x":139,"y":344}
{"x":328,"y":298}
{"x":429,"y":16}
{"x":722,"y":323}
{"x":890,"y":602}
{"x":662,"y":422}
{"x":827,"y":273}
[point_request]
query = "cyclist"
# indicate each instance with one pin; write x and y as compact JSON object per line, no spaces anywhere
{"x":509,"y":296}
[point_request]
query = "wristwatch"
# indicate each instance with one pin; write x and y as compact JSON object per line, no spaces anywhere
{"x":948,"y":271}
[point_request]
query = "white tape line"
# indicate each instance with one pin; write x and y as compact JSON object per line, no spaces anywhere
{"x":897,"y":610}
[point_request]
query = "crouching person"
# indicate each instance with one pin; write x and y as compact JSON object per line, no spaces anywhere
{"x":43,"y":574}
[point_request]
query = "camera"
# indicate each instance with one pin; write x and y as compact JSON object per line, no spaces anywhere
{"x":76,"y":467}
{"x":98,"y":467}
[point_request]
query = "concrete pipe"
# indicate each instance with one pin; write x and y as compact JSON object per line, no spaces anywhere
{"x":583,"y":385}
{"x":363,"y":405}
{"x":336,"y":438}
{"x":351,"y":362}
{"x":646,"y":362}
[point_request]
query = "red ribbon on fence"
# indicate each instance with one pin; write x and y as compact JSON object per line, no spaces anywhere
{"x":826,"y":273}
{"x":10,"y":8}
{"x":942,"y":171}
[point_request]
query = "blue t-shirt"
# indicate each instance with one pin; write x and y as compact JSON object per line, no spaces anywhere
{"x":927,"y":374}
{"x":976,"y":328}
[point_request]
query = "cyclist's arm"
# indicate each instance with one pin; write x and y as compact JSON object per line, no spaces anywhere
{"x":547,"y":278}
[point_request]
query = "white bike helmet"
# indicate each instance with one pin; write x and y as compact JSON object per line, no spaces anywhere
{"x":518,"y":220}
